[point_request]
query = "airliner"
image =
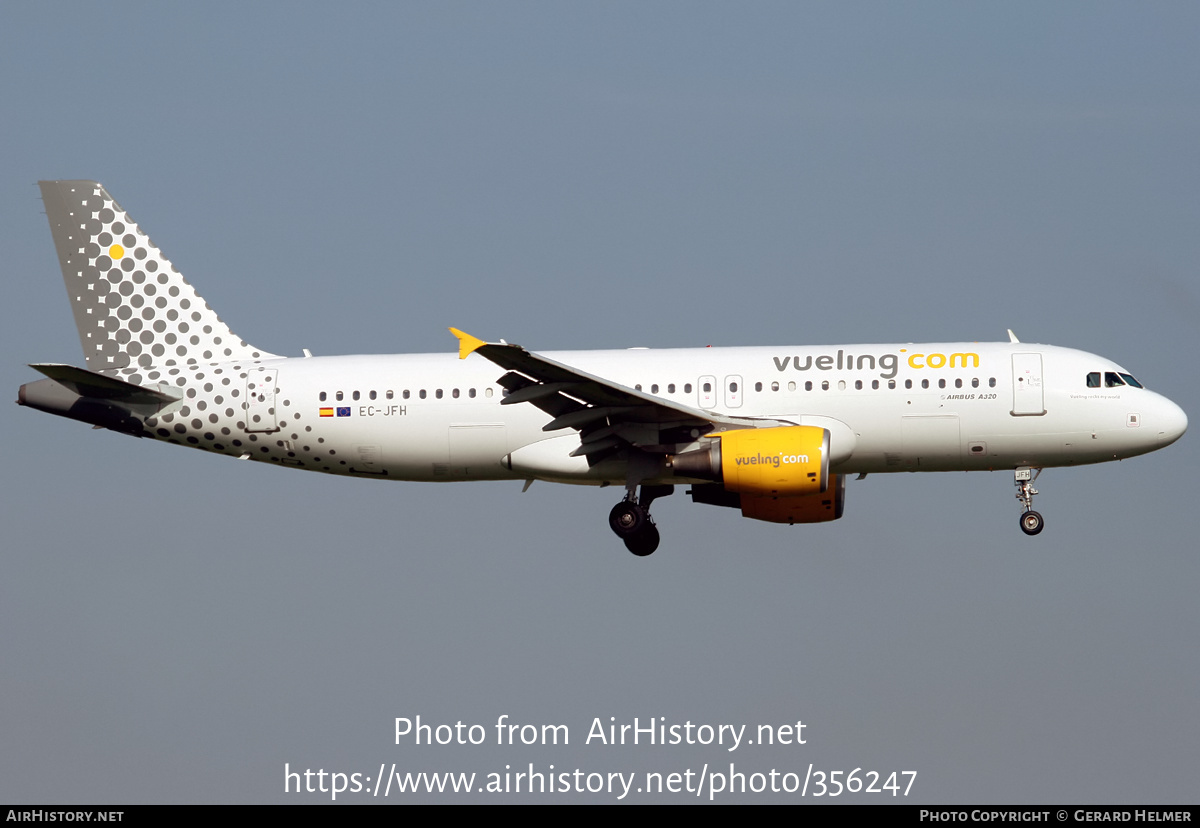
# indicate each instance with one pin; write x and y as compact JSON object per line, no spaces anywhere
{"x":771,"y":431}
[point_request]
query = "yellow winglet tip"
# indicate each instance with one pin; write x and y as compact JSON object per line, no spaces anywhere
{"x":467,"y":344}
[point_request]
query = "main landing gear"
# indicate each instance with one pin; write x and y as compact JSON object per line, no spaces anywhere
{"x":1031,"y":521}
{"x":630,"y":519}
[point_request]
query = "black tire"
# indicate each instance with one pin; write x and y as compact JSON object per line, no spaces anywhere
{"x":627,"y":519}
{"x":1032,"y":523}
{"x":644,"y":542}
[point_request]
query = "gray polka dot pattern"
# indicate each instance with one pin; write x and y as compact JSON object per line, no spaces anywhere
{"x":140,"y":321}
{"x":132,"y":308}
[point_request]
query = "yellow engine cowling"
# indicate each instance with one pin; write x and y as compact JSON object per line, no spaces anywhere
{"x":790,"y":460}
{"x":776,"y":462}
{"x":814,"y":508}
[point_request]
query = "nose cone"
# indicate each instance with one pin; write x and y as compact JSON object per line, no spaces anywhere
{"x":1169,"y":422}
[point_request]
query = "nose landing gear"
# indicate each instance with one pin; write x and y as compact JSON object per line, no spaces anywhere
{"x":630,"y":519}
{"x":1031,"y":521}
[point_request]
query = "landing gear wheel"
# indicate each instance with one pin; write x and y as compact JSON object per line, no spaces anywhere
{"x":1032,"y":523}
{"x":627,"y":519}
{"x":644,"y":542}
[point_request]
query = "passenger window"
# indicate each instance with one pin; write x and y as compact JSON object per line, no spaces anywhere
{"x":454,"y":393}
{"x":1093,"y":379}
{"x":671,"y":388}
{"x":791,"y":386}
{"x":323,"y":396}
{"x":391,"y":395}
{"x":875,"y":385}
{"x":654,"y":388}
{"x":774,"y":386}
{"x":687,"y":388}
{"x":825,"y":385}
{"x":421,"y":393}
{"x":637,"y":387}
{"x":941,"y":383}
{"x":487,"y":392}
{"x":958,"y":383}
{"x":858,"y":385}
{"x":758,"y":386}
{"x":339,"y":396}
{"x":708,"y":388}
{"x":891,"y":384}
{"x":974,"y":382}
{"x":471,"y":393}
{"x":991,"y":382}
{"x":438,"y":393}
{"x":908,"y":383}
{"x":924,"y":383}
{"x":406,"y":394}
{"x":808,"y":385}
{"x":1111,"y":380}
{"x":371,"y":395}
{"x":733,"y":387}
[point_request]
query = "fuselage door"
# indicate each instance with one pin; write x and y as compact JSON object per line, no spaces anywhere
{"x":476,"y":449}
{"x":1028,"y":397}
{"x":733,"y":391}
{"x":260,"y":400}
{"x":931,"y":442}
{"x":706,"y":387}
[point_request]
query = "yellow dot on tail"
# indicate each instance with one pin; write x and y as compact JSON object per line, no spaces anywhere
{"x":116,"y":251}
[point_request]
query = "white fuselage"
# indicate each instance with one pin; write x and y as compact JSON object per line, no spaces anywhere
{"x":911,"y":407}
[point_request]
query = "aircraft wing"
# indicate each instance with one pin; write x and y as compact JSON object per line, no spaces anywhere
{"x":607,"y":414}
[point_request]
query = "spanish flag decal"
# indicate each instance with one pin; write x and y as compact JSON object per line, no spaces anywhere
{"x":326,"y":412}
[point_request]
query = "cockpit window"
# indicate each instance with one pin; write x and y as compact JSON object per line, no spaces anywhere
{"x":1131,"y":380}
{"x":1111,"y":380}
{"x":1093,"y":379}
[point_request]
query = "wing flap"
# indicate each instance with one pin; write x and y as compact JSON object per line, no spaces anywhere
{"x":584,"y":416}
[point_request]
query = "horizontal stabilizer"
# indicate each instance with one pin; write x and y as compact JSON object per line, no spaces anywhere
{"x":89,"y":384}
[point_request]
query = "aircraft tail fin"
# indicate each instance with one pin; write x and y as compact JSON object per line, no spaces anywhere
{"x":133,"y":309}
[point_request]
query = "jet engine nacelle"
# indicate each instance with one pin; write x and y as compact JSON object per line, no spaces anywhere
{"x":813,"y":508}
{"x":816,"y":508}
{"x":786,"y":461}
